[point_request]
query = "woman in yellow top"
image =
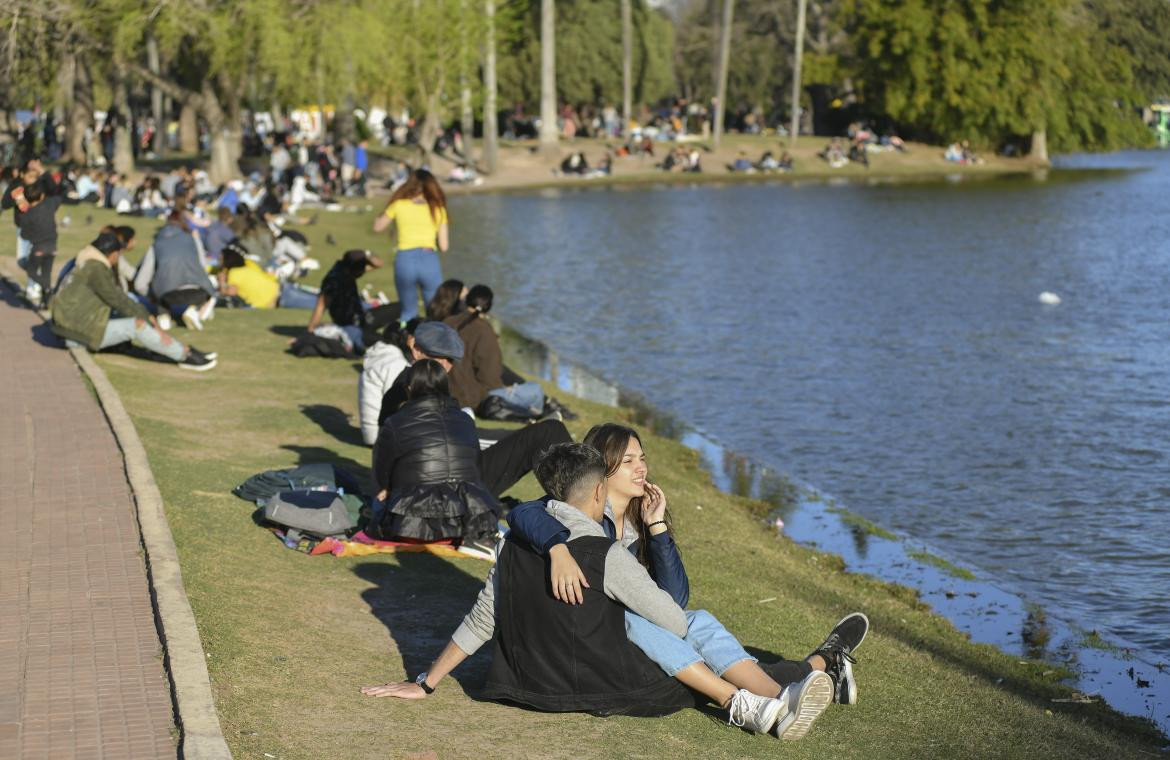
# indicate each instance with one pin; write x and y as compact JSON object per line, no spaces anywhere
{"x":419,"y":211}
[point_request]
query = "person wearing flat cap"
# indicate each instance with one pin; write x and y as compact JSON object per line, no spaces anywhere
{"x":83,"y":310}
{"x":340,"y":295}
{"x":500,"y":465}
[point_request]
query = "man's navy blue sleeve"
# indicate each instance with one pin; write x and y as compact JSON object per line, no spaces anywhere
{"x":537,"y":528}
{"x":666,"y":567}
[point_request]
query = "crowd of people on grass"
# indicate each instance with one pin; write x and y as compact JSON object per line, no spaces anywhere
{"x":585,"y":606}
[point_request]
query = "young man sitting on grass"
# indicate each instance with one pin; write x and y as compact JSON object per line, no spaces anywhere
{"x":577,"y":658}
{"x":83,"y":310}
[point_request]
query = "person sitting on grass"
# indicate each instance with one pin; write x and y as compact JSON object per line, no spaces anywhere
{"x":425,"y":466}
{"x":558,"y":658}
{"x":382,"y":364}
{"x":259,"y":289}
{"x":83,"y":310}
{"x":480,"y":373}
{"x":501,"y":464}
{"x":637,"y":517}
{"x":340,"y":295}
{"x":448,"y":300}
{"x":178,"y":273}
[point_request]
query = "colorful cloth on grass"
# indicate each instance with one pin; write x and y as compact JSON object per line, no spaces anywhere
{"x":361,"y":545}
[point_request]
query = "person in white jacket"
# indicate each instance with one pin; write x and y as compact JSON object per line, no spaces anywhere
{"x":383,"y":362}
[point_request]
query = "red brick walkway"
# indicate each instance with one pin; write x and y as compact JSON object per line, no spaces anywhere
{"x":81,"y":673}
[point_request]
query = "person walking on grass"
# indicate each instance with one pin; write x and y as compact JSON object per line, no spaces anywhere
{"x":82,"y":310}
{"x":419,"y":212}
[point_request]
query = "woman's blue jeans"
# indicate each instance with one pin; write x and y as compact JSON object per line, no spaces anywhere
{"x":415,"y":270}
{"x":707,"y":641}
{"x":525,"y":398}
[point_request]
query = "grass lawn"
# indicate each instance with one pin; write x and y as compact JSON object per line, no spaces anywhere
{"x":290,"y":638}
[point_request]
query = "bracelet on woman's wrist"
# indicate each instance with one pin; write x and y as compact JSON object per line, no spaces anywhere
{"x":656,"y":522}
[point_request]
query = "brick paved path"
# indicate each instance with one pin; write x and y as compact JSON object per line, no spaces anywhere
{"x":81,"y":672}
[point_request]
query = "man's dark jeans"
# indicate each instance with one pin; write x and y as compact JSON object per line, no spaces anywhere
{"x":504,"y":463}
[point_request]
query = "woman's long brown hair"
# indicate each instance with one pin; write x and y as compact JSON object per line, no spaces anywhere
{"x":612,"y":440}
{"x":422,"y":182}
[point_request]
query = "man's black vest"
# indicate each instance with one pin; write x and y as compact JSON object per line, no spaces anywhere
{"x":571,"y":658}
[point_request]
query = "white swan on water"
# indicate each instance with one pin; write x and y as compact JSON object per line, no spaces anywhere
{"x":1048,"y":298}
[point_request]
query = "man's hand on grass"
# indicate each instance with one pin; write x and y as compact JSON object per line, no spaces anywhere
{"x":402,"y":690}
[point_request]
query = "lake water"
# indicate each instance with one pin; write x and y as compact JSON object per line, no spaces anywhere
{"x":886,"y":344}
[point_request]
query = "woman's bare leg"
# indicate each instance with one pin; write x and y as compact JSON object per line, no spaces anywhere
{"x":700,"y":678}
{"x":748,"y":675}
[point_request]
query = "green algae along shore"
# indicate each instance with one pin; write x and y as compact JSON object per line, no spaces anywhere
{"x":290,"y":638}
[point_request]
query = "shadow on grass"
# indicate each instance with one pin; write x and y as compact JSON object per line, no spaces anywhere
{"x":335,"y":422}
{"x":422,"y":600}
{"x":288,"y":331}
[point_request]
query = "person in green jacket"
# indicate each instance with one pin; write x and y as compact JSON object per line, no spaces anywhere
{"x":83,"y":310}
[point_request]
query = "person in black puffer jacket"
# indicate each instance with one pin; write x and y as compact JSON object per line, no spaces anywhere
{"x":425,"y":466}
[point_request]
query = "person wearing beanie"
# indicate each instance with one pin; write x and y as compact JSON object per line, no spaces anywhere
{"x":81,"y":310}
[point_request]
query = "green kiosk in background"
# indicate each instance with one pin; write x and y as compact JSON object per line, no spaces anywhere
{"x":1161,"y":123}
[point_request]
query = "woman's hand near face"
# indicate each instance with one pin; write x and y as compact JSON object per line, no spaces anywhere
{"x":654,"y":507}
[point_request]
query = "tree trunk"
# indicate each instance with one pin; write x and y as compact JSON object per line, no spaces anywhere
{"x":222,"y":164}
{"x":188,"y":129}
{"x":724,"y":61}
{"x":1039,"y":150}
{"x":548,"y":74}
{"x":797,"y":58}
{"x":466,"y":115}
{"x":343,"y":120}
{"x":123,"y":145}
{"x":627,"y":65}
{"x":80,"y":111}
{"x":158,"y":143}
{"x":491,"y":119}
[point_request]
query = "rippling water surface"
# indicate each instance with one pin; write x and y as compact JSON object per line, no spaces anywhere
{"x":886,"y":344}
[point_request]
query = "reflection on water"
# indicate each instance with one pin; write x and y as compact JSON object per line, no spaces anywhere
{"x":1104,"y":670}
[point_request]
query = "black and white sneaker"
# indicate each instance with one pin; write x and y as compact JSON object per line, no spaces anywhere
{"x":480,"y":548}
{"x":206,"y":354}
{"x":196,"y":361}
{"x":837,"y":650}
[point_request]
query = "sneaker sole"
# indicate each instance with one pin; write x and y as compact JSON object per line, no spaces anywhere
{"x":847,"y":694}
{"x":198,"y":367}
{"x":192,"y":323}
{"x":815,"y":696}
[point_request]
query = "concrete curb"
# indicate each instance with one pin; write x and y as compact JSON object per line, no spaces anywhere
{"x":201,"y":737}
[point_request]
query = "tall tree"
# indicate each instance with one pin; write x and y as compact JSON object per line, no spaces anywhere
{"x":548,"y":74}
{"x":627,"y":64}
{"x":491,"y":119}
{"x":724,"y":60}
{"x":797,"y":59}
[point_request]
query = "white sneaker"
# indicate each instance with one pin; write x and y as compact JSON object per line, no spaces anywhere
{"x":165,"y":323}
{"x":753,"y":712}
{"x":802,"y":704}
{"x":32,"y":292}
{"x":191,"y":318}
{"x":207,"y":310}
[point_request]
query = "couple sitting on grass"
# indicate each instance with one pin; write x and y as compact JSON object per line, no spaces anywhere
{"x":605,"y":631}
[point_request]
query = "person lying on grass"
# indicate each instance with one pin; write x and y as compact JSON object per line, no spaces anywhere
{"x":637,"y":517}
{"x":564,"y":658}
{"x":83,"y":310}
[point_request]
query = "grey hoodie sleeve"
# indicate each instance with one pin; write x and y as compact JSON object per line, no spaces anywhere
{"x":479,"y":625}
{"x":627,"y":582}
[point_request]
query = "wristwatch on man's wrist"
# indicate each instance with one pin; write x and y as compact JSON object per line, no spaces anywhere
{"x":421,"y":680}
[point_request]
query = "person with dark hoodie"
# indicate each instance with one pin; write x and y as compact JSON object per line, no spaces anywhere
{"x":83,"y":310}
{"x":341,"y":297}
{"x":38,"y":225}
